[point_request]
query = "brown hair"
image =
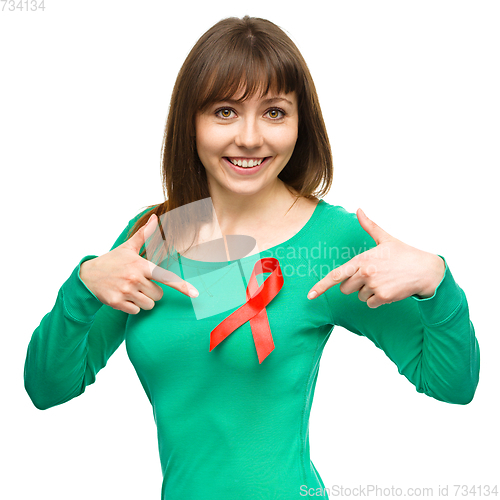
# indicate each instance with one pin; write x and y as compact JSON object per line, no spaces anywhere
{"x":253,"y":54}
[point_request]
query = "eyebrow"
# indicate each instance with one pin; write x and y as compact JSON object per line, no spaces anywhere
{"x":270,"y":100}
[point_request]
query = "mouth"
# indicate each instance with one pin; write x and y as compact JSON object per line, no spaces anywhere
{"x":246,"y":166}
{"x":246,"y":162}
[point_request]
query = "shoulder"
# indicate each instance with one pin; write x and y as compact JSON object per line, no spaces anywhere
{"x":148,"y":209}
{"x":341,"y":228}
{"x":126,"y":232}
{"x":336,"y":217}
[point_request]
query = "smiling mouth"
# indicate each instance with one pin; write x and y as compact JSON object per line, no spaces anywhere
{"x":246,"y":162}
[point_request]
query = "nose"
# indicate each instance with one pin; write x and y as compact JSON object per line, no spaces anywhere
{"x":249,"y":135}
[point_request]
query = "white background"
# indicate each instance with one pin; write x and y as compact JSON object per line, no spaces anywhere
{"x":409,"y":93}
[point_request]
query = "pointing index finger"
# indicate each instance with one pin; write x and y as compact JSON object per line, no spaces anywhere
{"x":333,"y":278}
{"x":170,"y":279}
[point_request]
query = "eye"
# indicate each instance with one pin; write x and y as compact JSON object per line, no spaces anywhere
{"x":224,"y":112}
{"x":274,"y":113}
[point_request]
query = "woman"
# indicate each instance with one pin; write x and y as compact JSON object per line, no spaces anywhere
{"x":232,"y":391}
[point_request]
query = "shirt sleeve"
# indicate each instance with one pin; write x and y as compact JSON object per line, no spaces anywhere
{"x":73,"y":341}
{"x":431,"y":340}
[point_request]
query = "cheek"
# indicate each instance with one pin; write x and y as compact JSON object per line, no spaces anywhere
{"x":285,"y":139}
{"x":200,"y":146}
{"x":203,"y":142}
{"x":209,"y":142}
{"x":204,"y":146}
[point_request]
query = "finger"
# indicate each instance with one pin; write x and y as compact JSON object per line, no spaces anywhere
{"x":142,"y":235}
{"x":361,"y":278}
{"x":373,"y":229}
{"x":334,"y":277}
{"x":352,"y":284}
{"x":365,"y":293}
{"x":150,"y":227}
{"x":129,"y":308}
{"x":374,"y":302}
{"x":170,"y":279}
{"x":151,"y":289}
{"x":142,"y":301}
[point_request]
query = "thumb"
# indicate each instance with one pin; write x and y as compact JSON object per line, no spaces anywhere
{"x":142,"y":235}
{"x":157,"y":273}
{"x":374,"y":230}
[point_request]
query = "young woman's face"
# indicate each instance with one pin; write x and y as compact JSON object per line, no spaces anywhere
{"x":258,"y":131}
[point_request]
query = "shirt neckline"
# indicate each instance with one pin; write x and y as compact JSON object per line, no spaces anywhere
{"x":211,"y":265}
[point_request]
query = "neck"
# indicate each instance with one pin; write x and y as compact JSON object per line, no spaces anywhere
{"x":236,"y":213}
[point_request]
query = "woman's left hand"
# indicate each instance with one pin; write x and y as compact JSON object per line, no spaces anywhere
{"x":386,"y":273}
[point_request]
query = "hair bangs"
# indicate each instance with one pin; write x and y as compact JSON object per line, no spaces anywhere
{"x":246,"y":70}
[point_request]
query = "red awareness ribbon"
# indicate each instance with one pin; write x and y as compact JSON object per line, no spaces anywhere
{"x":254,"y":309}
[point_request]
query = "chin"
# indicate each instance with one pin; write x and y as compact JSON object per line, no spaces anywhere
{"x":244,"y":191}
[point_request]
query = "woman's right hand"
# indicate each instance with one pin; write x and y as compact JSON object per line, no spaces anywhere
{"x":121,"y":278}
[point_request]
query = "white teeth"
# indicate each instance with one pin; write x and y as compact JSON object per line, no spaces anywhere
{"x":245,"y":164}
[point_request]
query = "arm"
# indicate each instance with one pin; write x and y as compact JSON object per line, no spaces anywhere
{"x":431,"y":340}
{"x":73,"y":341}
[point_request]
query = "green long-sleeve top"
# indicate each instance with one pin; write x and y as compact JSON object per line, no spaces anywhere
{"x":228,"y":426}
